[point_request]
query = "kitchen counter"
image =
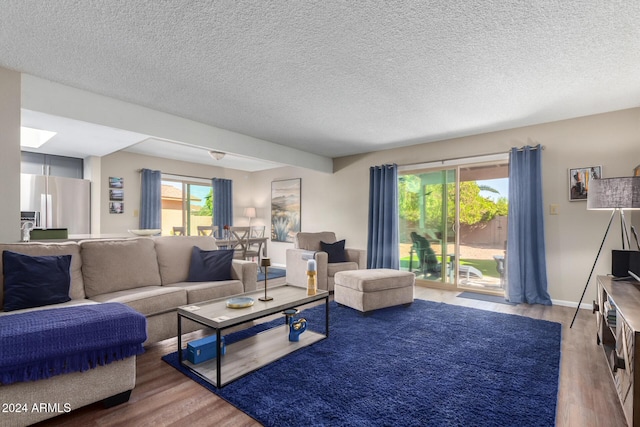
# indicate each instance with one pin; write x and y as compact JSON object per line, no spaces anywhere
{"x":100,"y":236}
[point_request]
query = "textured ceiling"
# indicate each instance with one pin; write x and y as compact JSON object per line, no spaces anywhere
{"x":338,"y":77}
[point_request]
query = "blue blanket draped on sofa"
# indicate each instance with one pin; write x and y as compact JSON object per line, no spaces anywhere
{"x":43,"y":343}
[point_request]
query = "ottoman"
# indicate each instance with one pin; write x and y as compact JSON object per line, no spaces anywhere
{"x":366,"y":290}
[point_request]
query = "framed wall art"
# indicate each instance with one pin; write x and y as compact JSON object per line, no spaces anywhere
{"x":579,"y":181}
{"x":115,"y":182}
{"x":116,"y":207}
{"x":116,"y":195}
{"x":285,"y":209}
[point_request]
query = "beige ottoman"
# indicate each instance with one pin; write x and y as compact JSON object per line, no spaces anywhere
{"x":367,"y":290}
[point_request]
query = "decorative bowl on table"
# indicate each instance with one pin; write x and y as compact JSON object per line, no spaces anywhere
{"x":146,"y":232}
{"x":240,"y":302}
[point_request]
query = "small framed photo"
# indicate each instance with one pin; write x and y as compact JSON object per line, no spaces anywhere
{"x":116,"y":195}
{"x":115,"y":182}
{"x":116,"y":207}
{"x":579,"y":181}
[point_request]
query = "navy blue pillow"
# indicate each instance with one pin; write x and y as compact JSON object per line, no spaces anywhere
{"x":34,"y":281}
{"x":335,"y":251}
{"x":210,"y":266}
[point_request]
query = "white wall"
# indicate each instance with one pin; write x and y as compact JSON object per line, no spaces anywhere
{"x":10,"y":159}
{"x":127,"y":166}
{"x":339,"y":202}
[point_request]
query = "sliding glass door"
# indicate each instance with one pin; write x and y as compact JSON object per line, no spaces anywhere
{"x":453,"y":225}
{"x":427,"y":218}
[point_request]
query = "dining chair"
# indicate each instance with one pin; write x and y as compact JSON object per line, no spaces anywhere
{"x":207,"y":230}
{"x":257,"y":231}
{"x":243,"y":248}
{"x":179,"y":231}
{"x":241,"y":236}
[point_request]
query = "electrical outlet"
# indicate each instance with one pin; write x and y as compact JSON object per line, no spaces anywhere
{"x":553,"y":209}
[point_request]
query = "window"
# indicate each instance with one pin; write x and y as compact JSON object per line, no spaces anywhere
{"x":186,"y":204}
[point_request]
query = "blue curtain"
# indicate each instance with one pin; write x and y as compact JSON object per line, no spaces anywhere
{"x":222,"y":203}
{"x":150,"y":199}
{"x":526,"y":262}
{"x":382,"y":245}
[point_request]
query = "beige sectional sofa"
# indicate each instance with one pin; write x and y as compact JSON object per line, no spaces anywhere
{"x":147,"y":274}
{"x":150,"y":276}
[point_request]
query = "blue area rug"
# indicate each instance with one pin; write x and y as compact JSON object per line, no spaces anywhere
{"x":429,"y":364}
{"x":273,"y":272}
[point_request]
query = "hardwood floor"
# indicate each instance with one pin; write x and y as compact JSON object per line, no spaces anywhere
{"x":165,"y":397}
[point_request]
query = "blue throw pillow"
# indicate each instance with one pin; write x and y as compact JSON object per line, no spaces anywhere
{"x":34,"y":281}
{"x":335,"y":251}
{"x":210,"y":266}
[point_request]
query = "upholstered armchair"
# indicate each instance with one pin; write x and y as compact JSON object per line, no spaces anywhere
{"x":308,"y":246}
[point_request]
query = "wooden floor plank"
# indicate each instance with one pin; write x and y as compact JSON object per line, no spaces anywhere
{"x":165,"y":397}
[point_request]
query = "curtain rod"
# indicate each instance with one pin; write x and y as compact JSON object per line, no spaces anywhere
{"x":490,"y":154}
{"x":479,"y":158}
{"x":179,"y":176}
{"x":532,"y":147}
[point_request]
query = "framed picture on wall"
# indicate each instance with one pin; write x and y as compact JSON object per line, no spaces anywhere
{"x":116,"y":195}
{"x":115,"y":182}
{"x":116,"y":207}
{"x":579,"y":181}
{"x":285,"y":209}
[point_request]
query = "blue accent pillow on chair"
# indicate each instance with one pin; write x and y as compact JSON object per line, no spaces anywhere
{"x":335,"y":251}
{"x":210,"y":266}
{"x":35,"y":281}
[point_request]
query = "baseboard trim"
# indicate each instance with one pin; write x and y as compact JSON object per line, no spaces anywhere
{"x":573,"y":304}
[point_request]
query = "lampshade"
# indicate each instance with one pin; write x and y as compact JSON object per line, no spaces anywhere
{"x":218,"y":155}
{"x":266,"y":262}
{"x":250,"y":212}
{"x":614,"y":193}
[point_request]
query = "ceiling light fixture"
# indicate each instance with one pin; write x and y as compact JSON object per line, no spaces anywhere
{"x":218,"y":155}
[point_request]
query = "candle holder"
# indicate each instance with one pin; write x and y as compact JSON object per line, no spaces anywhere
{"x":266,"y":262}
{"x":312,"y":277}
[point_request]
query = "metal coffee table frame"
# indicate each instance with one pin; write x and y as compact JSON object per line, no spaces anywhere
{"x":254,"y":352}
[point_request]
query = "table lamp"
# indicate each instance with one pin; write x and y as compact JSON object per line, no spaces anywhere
{"x":266,"y":262}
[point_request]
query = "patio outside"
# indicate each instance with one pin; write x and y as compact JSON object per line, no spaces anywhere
{"x":480,"y":257}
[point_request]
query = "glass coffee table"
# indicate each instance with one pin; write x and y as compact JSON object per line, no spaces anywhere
{"x":249,"y":354}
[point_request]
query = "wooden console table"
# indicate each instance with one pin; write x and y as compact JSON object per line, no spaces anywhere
{"x":618,"y":321}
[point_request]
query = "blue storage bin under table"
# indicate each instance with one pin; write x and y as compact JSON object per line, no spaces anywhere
{"x":203,"y":349}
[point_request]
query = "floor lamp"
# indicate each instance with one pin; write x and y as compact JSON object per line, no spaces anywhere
{"x":250,"y":213}
{"x":617,"y":195}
